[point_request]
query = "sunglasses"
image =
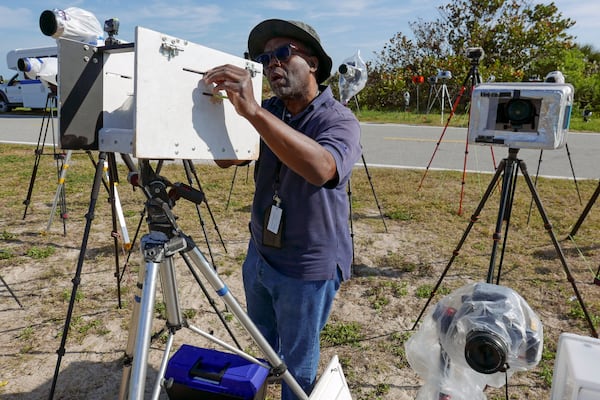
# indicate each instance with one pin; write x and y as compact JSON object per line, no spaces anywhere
{"x":281,"y":54}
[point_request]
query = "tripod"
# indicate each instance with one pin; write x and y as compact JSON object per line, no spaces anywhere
{"x":509,"y":167}
{"x":158,"y":248}
{"x":61,"y":162}
{"x":100,"y":170}
{"x":441,"y":93}
{"x":472,"y":79}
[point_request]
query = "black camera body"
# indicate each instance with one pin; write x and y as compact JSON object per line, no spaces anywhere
{"x":475,"y":54}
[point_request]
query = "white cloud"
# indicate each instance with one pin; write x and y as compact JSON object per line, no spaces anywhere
{"x":15,"y":17}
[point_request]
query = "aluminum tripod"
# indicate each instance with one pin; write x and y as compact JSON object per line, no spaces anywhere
{"x":158,"y":248}
{"x":442,"y":93}
{"x":509,"y":167}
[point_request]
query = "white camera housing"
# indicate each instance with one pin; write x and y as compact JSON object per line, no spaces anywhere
{"x":148,"y":99}
{"x":521,"y":115}
{"x":444,"y":75}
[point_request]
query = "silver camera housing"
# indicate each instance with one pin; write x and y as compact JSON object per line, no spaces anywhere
{"x":521,"y":115}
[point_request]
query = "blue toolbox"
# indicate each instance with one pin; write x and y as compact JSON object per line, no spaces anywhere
{"x":198,"y":373}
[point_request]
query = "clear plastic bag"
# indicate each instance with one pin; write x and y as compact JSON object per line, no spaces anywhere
{"x":471,"y":339}
{"x":353,"y":77}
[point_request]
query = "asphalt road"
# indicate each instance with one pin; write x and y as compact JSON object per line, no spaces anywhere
{"x":403,"y":146}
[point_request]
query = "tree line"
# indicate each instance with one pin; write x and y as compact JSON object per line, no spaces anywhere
{"x":521,"y":42}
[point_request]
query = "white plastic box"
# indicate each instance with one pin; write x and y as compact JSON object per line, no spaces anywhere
{"x":521,"y":115}
{"x":577,"y":368}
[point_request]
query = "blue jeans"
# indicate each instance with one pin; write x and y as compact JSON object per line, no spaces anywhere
{"x":290,"y":313}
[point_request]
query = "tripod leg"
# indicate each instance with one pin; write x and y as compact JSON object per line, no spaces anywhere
{"x":113,"y":180}
{"x":503,"y":211}
{"x":89,"y":218}
{"x":585,"y":212}
{"x":39,"y":151}
{"x":174,"y":318}
{"x":136,"y":353}
{"x":374,"y":195}
{"x":437,"y":145}
{"x":60,"y":190}
{"x":110,"y":170}
{"x":456,"y":251}
{"x":231,"y":187}
{"x":351,"y":218}
{"x":559,"y":251}
{"x":537,"y":173}
{"x":507,"y":215}
{"x":210,"y":213}
{"x":573,"y":172}
{"x":190,"y":172}
{"x":11,"y":292}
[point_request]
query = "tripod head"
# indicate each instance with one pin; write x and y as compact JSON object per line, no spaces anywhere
{"x":475,"y":54}
{"x":161,"y":197}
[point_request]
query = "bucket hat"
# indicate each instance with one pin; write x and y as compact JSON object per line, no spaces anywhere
{"x":300,"y":31}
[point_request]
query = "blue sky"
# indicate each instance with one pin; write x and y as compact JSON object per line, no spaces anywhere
{"x":345,"y":26}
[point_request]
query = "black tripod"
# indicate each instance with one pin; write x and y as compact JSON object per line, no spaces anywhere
{"x":61,"y":161}
{"x":509,"y":167}
{"x":98,"y":179}
{"x":472,"y":79}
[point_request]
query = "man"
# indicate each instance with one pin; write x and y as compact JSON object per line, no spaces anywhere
{"x":300,"y":248}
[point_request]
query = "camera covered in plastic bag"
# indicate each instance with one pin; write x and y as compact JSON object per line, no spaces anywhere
{"x":478,"y":335}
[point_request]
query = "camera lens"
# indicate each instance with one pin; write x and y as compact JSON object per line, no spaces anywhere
{"x":48,"y":23}
{"x":485,"y":352}
{"x":520,"y":111}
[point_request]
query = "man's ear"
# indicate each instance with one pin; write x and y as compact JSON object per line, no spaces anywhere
{"x":313,"y":63}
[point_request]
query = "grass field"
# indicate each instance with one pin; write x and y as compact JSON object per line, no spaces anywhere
{"x":396,"y":267}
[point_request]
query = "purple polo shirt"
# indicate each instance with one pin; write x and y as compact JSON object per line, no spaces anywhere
{"x":316,"y":234}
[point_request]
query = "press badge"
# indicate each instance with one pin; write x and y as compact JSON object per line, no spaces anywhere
{"x":273,"y":224}
{"x":274,"y":219}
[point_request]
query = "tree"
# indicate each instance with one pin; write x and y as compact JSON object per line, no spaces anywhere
{"x":581,"y":67}
{"x":514,"y":34}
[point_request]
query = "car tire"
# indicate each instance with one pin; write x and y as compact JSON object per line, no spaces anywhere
{"x":4,"y":106}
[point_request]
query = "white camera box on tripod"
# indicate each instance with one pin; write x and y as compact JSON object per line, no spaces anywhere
{"x":147,"y":99}
{"x":521,"y":115}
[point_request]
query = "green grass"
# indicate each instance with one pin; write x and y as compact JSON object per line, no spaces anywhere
{"x":394,"y":273}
